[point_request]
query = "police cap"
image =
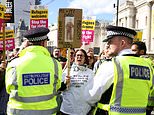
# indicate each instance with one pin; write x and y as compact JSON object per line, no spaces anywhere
{"x":37,"y":34}
{"x":119,"y":31}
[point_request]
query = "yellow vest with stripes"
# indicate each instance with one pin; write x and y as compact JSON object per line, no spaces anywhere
{"x":132,"y":82}
{"x":36,"y":81}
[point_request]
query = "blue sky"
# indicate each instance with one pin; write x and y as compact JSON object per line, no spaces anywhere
{"x":102,"y":9}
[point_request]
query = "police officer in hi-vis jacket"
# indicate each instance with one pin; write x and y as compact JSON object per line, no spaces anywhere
{"x":32,"y":80}
{"x":121,"y":86}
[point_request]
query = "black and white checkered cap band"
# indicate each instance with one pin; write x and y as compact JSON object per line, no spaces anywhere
{"x":38,"y":38}
{"x":114,"y":33}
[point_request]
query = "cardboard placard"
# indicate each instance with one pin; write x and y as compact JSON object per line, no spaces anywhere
{"x":69,"y":28}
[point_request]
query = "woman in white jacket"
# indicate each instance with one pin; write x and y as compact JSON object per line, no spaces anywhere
{"x":73,"y":102}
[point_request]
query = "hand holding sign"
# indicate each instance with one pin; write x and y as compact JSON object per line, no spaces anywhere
{"x":69,"y":32}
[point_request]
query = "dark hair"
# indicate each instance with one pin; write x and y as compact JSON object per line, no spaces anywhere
{"x":35,"y":42}
{"x":141,"y":46}
{"x":55,"y":48}
{"x":17,"y":49}
{"x":85,"y":54}
{"x":71,"y":49}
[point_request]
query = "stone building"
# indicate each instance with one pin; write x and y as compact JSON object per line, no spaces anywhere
{"x":100,"y":34}
{"x":19,"y":34}
{"x":22,"y":11}
{"x":21,"y":18}
{"x":138,"y":14}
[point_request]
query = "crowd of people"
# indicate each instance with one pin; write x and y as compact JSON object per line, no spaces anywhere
{"x":118,"y":82}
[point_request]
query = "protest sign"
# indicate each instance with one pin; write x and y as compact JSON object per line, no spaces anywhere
{"x":9,"y":13}
{"x":69,"y":28}
{"x":88,"y":27}
{"x":9,"y":40}
{"x":38,"y":16}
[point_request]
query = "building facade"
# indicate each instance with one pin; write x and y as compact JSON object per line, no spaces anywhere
{"x":22,"y":11}
{"x":21,"y":19}
{"x":138,"y":14}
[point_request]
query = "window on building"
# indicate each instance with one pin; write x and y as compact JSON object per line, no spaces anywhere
{"x":146,"y":19}
{"x":96,"y":50}
{"x":136,"y":23}
{"x":125,"y":21}
{"x":119,"y":21}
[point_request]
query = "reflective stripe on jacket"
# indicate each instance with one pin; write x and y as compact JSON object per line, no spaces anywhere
{"x":34,"y":83}
{"x":132,"y":82}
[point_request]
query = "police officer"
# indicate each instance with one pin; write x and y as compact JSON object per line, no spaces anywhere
{"x":32,"y":80}
{"x":121,"y":86}
{"x":139,"y":48}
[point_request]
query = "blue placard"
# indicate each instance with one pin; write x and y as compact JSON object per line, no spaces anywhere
{"x":139,"y":72}
{"x":35,"y":79}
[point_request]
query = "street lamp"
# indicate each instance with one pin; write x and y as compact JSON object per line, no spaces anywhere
{"x":117,"y":6}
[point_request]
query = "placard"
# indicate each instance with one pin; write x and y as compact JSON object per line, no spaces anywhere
{"x":38,"y":16}
{"x":9,"y":40}
{"x":9,"y":13}
{"x":69,"y":28}
{"x":88,"y":27}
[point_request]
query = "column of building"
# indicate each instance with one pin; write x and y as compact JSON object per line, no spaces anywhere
{"x":148,"y":39}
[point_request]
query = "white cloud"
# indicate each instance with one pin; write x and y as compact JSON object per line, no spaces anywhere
{"x":94,"y":7}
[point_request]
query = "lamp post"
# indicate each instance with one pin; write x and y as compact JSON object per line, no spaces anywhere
{"x":117,"y":6}
{"x":117,"y":12}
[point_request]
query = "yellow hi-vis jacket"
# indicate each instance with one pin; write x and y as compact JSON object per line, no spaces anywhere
{"x":151,"y":95}
{"x":132,"y":82}
{"x":32,"y":80}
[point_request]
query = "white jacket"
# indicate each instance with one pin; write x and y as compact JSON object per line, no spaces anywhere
{"x":73,"y":101}
{"x":102,"y":80}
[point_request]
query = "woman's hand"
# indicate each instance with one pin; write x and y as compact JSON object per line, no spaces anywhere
{"x":67,"y":80}
{"x":3,"y":65}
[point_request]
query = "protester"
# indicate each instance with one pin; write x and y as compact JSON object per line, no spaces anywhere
{"x":103,"y":57}
{"x":139,"y":48}
{"x":32,"y":79}
{"x":3,"y":94}
{"x":57,"y":55}
{"x":120,"y":86}
{"x":90,"y":50}
{"x":73,"y":102}
{"x":91,"y":60}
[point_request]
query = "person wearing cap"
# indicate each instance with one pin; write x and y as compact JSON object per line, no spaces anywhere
{"x":120,"y":86}
{"x":32,"y":79}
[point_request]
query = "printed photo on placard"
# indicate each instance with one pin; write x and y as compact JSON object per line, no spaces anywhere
{"x":69,"y":29}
